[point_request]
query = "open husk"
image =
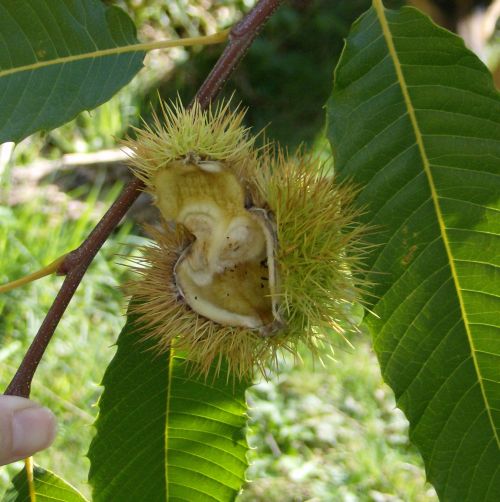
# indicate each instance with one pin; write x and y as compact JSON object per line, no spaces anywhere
{"x":255,"y":252}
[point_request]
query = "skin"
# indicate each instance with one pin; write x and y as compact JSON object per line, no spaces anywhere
{"x":25,"y":428}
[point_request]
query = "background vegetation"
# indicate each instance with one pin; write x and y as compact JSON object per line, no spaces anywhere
{"x":323,"y":432}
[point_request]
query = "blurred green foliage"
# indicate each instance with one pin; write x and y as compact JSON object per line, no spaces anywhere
{"x":331,"y":432}
{"x":287,"y":75}
{"x":31,"y":236}
{"x":284,"y":80}
{"x":320,"y":433}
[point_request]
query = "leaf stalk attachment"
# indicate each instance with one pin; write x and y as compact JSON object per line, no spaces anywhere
{"x":76,"y":263}
{"x":51,"y":268}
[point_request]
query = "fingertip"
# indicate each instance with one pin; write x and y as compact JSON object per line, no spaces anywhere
{"x":33,"y":429}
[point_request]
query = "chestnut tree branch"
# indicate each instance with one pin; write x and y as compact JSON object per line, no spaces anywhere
{"x":75,"y":264}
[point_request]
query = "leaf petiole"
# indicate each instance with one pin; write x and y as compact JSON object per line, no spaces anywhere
{"x":28,"y":463}
{"x":49,"y":269}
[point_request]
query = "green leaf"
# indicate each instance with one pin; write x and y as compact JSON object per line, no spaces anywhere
{"x":47,"y":488}
{"x":414,"y":120}
{"x":163,"y":434}
{"x":55,"y":61}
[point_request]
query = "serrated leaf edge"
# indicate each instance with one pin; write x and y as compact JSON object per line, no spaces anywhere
{"x":379,"y":9}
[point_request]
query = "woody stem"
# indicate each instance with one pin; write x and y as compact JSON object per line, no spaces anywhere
{"x":76,"y":263}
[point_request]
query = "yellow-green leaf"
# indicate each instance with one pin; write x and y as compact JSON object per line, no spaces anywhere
{"x":44,"y":486}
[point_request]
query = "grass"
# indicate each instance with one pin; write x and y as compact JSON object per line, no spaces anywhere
{"x":319,"y":433}
{"x":68,"y":378}
{"x":331,"y":433}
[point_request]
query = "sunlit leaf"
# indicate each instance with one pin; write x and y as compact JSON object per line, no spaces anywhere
{"x":414,"y":119}
{"x":48,"y":487}
{"x":163,"y":434}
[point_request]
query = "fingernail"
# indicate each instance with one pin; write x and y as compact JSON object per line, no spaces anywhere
{"x":33,"y":429}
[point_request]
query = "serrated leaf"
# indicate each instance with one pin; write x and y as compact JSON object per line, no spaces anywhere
{"x":414,"y":119}
{"x":54,"y":64}
{"x":48,"y":487}
{"x":164,"y":434}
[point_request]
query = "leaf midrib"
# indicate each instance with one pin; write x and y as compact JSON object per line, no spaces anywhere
{"x":141,"y":47}
{"x":379,"y":9}
{"x":167,"y":418}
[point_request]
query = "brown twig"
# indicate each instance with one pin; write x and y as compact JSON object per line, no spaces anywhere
{"x":76,"y":263}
